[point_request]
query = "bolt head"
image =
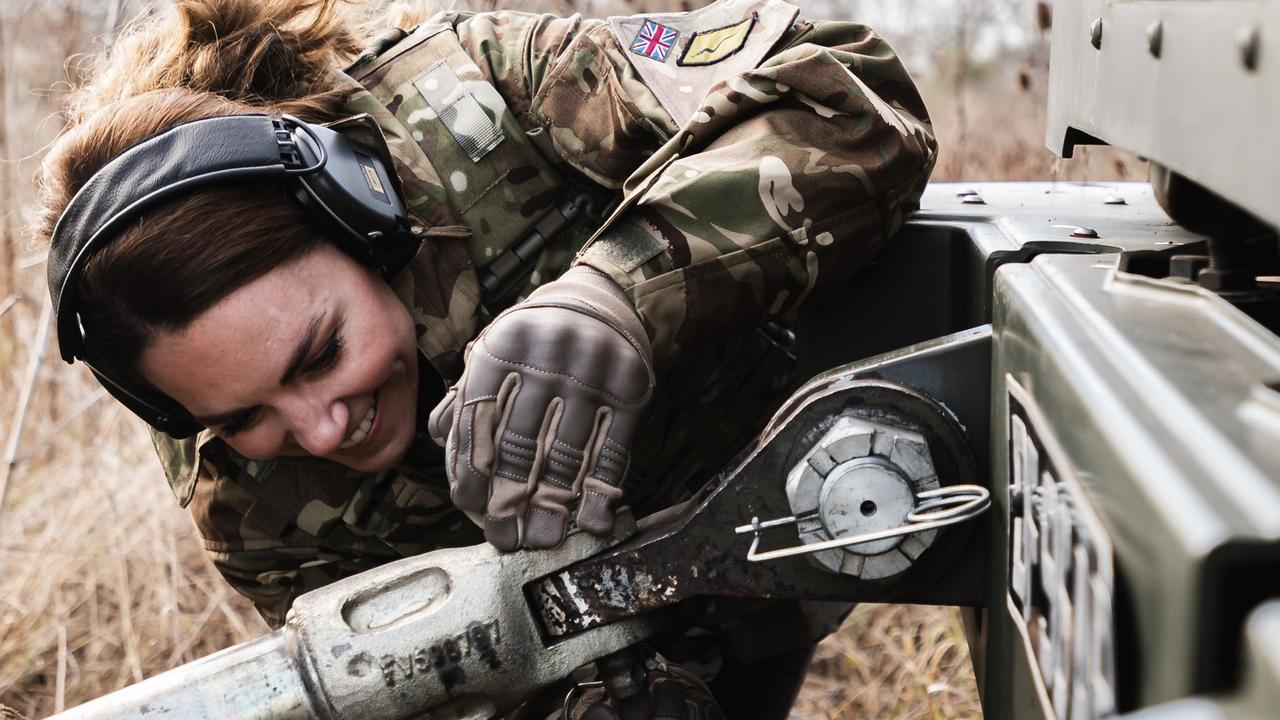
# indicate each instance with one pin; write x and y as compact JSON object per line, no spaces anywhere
{"x":804,"y":486}
{"x":861,"y":477}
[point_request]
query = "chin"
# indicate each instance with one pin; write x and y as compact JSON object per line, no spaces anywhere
{"x":392,"y":433}
{"x":391,"y":455}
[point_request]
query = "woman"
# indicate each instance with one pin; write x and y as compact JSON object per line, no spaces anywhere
{"x":607,"y":212}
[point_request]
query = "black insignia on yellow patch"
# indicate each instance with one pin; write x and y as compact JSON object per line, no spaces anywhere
{"x":708,"y":47}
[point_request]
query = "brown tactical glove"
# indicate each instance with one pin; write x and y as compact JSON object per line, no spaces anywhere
{"x":541,"y":421}
{"x":674,"y":694}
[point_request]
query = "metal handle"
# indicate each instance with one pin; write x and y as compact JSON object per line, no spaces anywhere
{"x":945,"y":506}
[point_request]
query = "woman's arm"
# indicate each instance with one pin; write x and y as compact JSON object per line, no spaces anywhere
{"x":791,"y":177}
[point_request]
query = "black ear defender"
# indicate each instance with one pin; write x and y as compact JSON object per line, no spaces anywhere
{"x":343,"y":186}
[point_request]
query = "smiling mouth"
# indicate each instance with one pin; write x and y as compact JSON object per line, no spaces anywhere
{"x":363,"y":430}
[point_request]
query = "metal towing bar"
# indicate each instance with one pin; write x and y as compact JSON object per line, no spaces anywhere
{"x":858,"y":474}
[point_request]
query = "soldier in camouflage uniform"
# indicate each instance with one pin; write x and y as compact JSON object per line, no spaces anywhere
{"x":719,"y":167}
{"x":789,"y":174}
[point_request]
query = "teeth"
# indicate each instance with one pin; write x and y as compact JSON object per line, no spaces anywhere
{"x":362,"y":430}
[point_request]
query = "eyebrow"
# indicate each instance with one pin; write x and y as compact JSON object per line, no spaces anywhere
{"x":296,"y":362}
{"x":302,"y":351}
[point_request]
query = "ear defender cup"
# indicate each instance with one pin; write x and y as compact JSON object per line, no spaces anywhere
{"x":342,"y":185}
{"x":352,"y":197}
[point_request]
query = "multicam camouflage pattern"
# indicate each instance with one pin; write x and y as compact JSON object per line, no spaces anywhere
{"x":789,"y":177}
{"x":747,"y":217}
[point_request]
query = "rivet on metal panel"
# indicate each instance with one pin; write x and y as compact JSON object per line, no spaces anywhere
{"x":1085,"y":232}
{"x":1095,"y":34}
{"x":966,"y":193}
{"x":1250,"y":41}
{"x":974,"y":199}
{"x":1155,"y":38}
{"x":1114,"y":198}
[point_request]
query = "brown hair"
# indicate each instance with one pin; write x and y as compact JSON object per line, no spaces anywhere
{"x":198,"y":59}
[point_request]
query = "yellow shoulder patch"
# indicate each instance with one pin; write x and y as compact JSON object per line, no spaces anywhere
{"x":709,"y":47}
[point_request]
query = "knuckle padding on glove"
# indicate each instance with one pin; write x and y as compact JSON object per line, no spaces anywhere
{"x":567,"y":374}
{"x":613,"y":394}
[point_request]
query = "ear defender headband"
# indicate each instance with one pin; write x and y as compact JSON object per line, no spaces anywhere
{"x":342,"y":185}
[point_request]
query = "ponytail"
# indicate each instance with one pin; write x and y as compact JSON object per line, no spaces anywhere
{"x":275,"y":55}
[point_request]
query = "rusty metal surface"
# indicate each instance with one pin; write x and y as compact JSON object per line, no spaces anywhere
{"x":692,"y":551}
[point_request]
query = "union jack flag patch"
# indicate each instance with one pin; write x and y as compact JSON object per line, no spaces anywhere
{"x":655,"y":41}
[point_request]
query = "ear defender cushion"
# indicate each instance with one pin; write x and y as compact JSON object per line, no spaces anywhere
{"x":342,"y":185}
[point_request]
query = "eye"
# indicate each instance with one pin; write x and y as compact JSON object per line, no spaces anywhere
{"x":243,"y":422}
{"x":329,"y":355}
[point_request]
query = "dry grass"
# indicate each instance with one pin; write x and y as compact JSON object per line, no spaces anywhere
{"x":102,"y":581}
{"x":892,"y":661}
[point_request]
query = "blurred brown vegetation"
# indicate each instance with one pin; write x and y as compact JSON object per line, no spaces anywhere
{"x":102,"y":581}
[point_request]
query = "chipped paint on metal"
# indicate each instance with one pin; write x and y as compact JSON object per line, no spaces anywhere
{"x":584,"y":609}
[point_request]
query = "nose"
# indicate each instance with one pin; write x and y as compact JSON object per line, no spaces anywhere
{"x":318,"y":426}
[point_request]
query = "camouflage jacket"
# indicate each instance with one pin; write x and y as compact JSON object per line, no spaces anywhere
{"x":802,"y":149}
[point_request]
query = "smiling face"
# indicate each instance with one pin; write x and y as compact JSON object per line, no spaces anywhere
{"x":316,"y":357}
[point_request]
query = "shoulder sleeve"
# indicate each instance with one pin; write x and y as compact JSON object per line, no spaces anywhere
{"x":567,"y":77}
{"x":514,"y":49}
{"x":790,"y":177}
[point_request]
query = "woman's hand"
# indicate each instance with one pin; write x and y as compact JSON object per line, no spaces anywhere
{"x":674,"y":694}
{"x":540,"y":424}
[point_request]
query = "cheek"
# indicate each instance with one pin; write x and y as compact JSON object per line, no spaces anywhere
{"x":261,"y":442}
{"x":379,"y":356}
{"x":384,"y":347}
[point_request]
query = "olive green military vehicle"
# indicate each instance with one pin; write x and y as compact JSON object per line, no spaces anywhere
{"x":1055,"y":405}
